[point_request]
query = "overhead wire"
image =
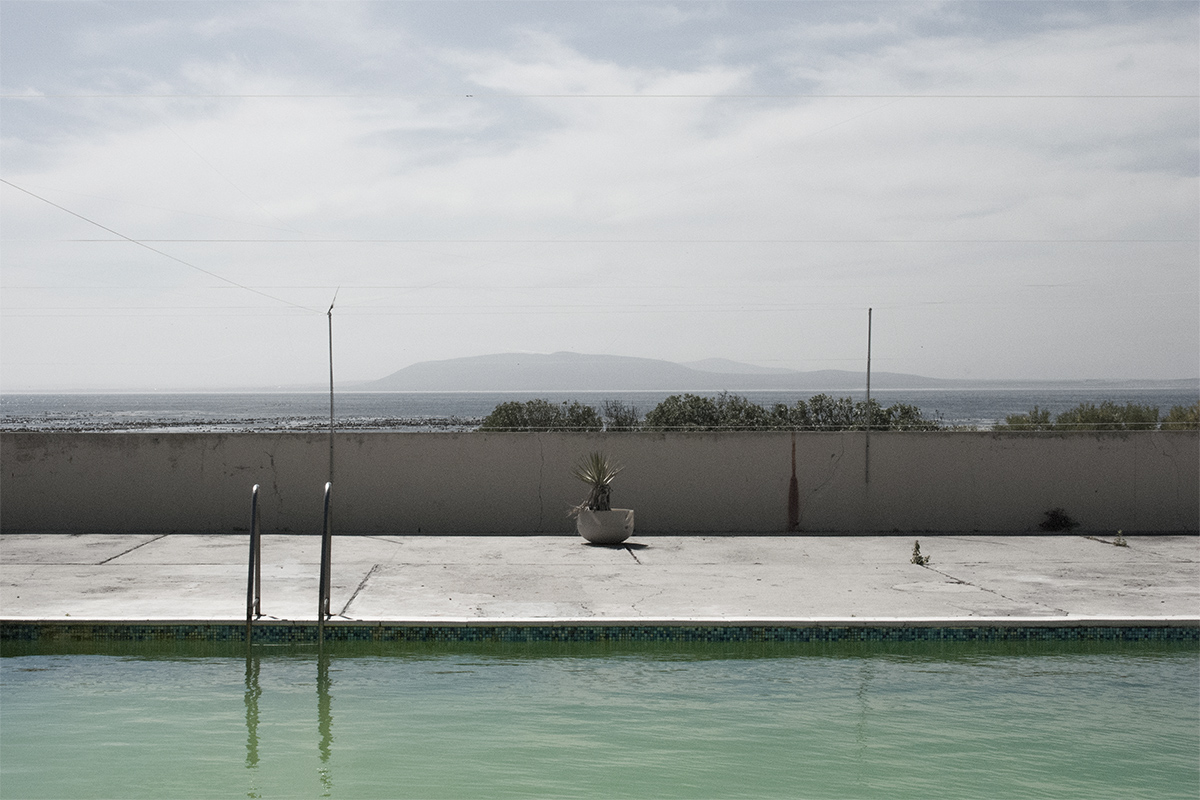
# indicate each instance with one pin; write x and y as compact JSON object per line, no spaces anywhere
{"x":892,"y":98}
{"x":162,"y":253}
{"x":476,"y":95}
{"x":673,"y":240}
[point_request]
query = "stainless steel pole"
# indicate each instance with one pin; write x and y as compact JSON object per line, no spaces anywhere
{"x":867,"y":436}
{"x":330,"y":315}
{"x":325,"y":579}
{"x":254,"y":578}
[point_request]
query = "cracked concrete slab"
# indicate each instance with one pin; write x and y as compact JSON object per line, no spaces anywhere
{"x":497,"y":578}
{"x":69,"y":548}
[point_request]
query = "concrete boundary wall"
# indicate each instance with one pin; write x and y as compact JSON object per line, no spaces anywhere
{"x":677,"y":482}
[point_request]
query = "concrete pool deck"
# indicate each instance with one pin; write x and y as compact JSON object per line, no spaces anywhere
{"x":702,"y":579}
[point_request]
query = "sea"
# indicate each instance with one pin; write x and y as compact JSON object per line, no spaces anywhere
{"x":417,"y":412}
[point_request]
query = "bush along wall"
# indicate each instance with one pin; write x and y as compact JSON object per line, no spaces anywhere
{"x":542,"y":415}
{"x":1106,"y":416}
{"x":725,"y":412}
{"x":731,"y":412}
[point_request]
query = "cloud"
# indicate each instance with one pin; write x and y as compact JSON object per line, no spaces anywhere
{"x":505,"y":183}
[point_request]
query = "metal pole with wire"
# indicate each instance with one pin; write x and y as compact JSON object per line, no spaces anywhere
{"x":329,"y":314}
{"x":867,"y":452}
{"x":326,"y":578}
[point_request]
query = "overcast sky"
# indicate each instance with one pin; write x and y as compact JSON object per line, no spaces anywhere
{"x":1011,"y":186}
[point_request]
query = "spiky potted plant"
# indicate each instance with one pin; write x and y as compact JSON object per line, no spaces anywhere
{"x":595,"y":518}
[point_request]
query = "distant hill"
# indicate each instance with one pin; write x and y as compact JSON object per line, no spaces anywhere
{"x":579,"y":372}
{"x":727,"y":367}
{"x":536,"y":372}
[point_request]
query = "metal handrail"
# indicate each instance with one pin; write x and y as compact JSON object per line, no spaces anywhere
{"x":326,"y":579}
{"x":254,"y":577}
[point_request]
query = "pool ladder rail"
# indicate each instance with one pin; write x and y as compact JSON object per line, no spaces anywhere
{"x":254,"y":576}
{"x":254,"y":579}
{"x":326,"y":578}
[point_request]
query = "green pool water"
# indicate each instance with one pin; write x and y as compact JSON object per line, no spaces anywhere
{"x":920,"y":721}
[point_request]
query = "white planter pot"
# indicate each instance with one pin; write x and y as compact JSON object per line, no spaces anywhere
{"x":605,"y":527}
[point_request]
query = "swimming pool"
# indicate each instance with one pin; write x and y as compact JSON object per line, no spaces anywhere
{"x":822,"y":720}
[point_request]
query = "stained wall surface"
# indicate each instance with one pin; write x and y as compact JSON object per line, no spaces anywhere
{"x":725,"y":482}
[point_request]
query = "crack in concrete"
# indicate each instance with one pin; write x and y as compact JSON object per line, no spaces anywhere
{"x":1179,"y":484}
{"x":1062,"y":611}
{"x":837,"y":460}
{"x":802,"y":507}
{"x":635,"y":558}
{"x":392,"y":541}
{"x":361,"y":585}
{"x":130,"y":550}
{"x":633,"y":605}
{"x":1142,"y":549}
{"x":275,"y":482}
{"x":1104,"y":541}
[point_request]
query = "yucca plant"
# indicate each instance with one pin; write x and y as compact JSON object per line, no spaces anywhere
{"x":597,"y":472}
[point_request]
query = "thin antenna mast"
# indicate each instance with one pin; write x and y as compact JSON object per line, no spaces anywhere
{"x":867,"y":454}
{"x":330,"y":315}
{"x":869,"y":369}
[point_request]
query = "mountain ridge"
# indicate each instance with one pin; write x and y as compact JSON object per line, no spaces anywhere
{"x":569,"y":371}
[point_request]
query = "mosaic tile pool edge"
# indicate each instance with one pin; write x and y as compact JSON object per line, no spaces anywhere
{"x":507,"y":633}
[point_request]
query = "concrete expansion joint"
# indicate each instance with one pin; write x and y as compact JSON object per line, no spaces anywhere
{"x":361,"y":584}
{"x":961,"y":582}
{"x":130,"y":550}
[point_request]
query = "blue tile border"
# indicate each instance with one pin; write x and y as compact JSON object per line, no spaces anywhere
{"x":307,"y":633}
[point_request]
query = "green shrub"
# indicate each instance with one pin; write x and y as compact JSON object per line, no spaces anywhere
{"x":620,"y":417}
{"x":828,"y":414}
{"x":737,"y":413}
{"x":1108,"y":416}
{"x":689,"y":412}
{"x":542,"y":415}
{"x":824,"y":413}
{"x":821,"y":412}
{"x":1036,"y":420}
{"x":578,"y":417}
{"x":903,"y":417}
{"x":686,"y":412}
{"x":1181,"y":418}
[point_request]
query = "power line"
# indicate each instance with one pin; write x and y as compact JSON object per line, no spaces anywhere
{"x":625,"y":241}
{"x":587,"y":96}
{"x":130,"y":239}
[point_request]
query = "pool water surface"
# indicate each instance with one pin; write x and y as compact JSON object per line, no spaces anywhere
{"x":424,"y":720}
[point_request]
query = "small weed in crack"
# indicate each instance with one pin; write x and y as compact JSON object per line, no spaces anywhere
{"x":1117,"y":541}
